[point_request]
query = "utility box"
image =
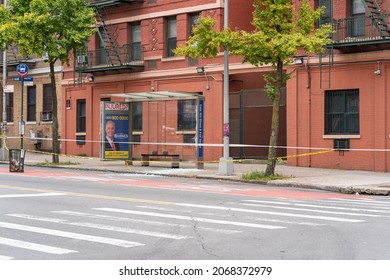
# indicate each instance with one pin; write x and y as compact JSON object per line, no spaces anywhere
{"x":16,"y":160}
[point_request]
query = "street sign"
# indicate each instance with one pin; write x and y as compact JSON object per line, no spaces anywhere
{"x":22,"y":70}
{"x":26,"y":79}
{"x":9,"y":88}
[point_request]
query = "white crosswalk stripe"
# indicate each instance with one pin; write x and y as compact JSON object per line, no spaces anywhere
{"x":102,"y":227}
{"x":195,"y":219}
{"x":66,"y":234}
{"x":139,"y":221}
{"x":4,"y":258}
{"x":310,"y":210}
{"x":30,"y":195}
{"x":167,"y":220}
{"x":353,"y":209}
{"x":34,"y":246}
{"x":328,"y":218}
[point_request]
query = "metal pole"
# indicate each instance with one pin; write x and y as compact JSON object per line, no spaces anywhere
{"x":226,"y":162}
{"x":3,"y":151}
{"x":21,"y":127}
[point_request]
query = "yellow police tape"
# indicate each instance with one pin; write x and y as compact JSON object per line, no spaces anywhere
{"x":130,"y":162}
{"x":280,"y":159}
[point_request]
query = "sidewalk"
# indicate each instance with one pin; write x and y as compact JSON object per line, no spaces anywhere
{"x":344,"y":181}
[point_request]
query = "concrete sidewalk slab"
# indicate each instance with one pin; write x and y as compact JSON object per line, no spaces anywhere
{"x":344,"y":181}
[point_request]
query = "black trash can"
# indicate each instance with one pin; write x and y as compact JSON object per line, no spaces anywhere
{"x":16,"y":160}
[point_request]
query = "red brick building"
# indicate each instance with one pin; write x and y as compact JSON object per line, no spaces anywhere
{"x":131,"y":59}
{"x":341,"y":99}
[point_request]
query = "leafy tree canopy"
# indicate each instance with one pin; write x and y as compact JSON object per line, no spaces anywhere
{"x":279,"y":31}
{"x":52,"y":27}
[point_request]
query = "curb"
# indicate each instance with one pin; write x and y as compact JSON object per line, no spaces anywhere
{"x":358,"y":190}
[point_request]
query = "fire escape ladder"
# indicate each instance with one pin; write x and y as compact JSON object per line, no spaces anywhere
{"x":376,"y":12}
{"x":108,"y":35}
{"x":326,"y":62}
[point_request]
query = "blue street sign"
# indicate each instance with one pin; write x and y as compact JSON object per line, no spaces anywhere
{"x":26,"y":79}
{"x":200,"y":127}
{"x":22,"y":70}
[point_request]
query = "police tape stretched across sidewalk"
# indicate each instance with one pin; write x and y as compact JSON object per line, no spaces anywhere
{"x":341,"y":181}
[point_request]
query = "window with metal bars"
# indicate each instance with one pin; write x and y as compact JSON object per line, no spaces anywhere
{"x":81,"y":125}
{"x":342,"y":112}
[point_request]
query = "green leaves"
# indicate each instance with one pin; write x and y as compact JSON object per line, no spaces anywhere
{"x":52,"y":27}
{"x":279,"y":31}
{"x":204,"y":43}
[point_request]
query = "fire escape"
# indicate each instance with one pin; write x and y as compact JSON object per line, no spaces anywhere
{"x":370,"y":28}
{"x":109,"y":55}
{"x":14,"y":58}
{"x":367,"y":31}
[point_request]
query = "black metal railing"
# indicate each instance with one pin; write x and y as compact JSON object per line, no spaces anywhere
{"x":103,"y":3}
{"x":361,"y":29}
{"x":124,"y":56}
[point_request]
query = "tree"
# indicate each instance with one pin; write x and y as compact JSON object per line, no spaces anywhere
{"x":50,"y":28}
{"x":280,"y":30}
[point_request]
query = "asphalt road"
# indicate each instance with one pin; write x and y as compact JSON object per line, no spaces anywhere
{"x":57,"y":214}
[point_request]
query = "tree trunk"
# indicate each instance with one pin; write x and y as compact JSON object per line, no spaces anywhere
{"x":55,"y":139}
{"x":273,"y":141}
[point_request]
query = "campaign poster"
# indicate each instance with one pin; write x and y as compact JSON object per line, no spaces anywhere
{"x":115,"y":130}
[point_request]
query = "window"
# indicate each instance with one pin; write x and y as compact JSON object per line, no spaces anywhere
{"x":136,"y":51}
{"x":171,"y":35}
{"x":326,"y":17}
{"x":102,"y":49}
{"x":193,"y":21}
{"x":47,"y":106}
{"x":358,"y":18}
{"x":31,"y":104}
{"x":342,"y":112}
{"x":81,"y":124}
{"x":137,"y":116}
{"x":186,"y":119}
{"x":9,"y":107}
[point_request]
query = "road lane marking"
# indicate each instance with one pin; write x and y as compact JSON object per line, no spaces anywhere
{"x":269,"y":213}
{"x":87,"y":195}
{"x":195,"y":219}
{"x":322,"y":206}
{"x":103,"y":227}
{"x":148,"y":222}
{"x":72,"y":235}
{"x":30,"y":195}
{"x":285,"y":222}
{"x":374,"y":203}
{"x":6,"y":258}
{"x":34,"y":246}
{"x":312,"y":210}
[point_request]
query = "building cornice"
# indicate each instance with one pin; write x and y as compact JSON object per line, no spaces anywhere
{"x":219,"y":4}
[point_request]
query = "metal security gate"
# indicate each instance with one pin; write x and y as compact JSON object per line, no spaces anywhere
{"x":250,"y":123}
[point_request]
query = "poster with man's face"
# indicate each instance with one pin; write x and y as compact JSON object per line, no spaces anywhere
{"x":115,"y":130}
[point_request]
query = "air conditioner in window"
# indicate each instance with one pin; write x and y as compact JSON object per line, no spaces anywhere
{"x":81,"y":59}
{"x":47,"y":116}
